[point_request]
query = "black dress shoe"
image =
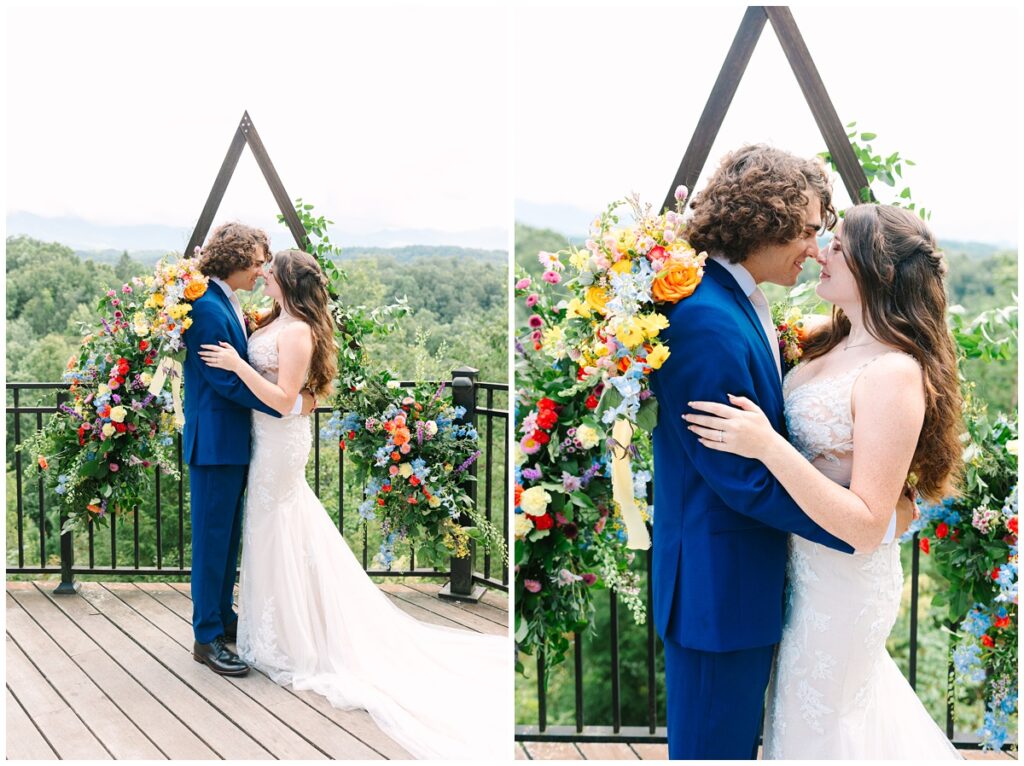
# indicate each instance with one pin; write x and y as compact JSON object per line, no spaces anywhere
{"x":218,"y":658}
{"x":231,"y":632}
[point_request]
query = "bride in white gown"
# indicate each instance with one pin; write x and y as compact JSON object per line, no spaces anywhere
{"x":876,"y":399}
{"x":309,"y":614}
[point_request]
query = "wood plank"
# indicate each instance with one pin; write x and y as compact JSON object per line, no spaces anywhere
{"x":358,"y":723}
{"x":59,"y":724}
{"x":316,"y":730}
{"x":985,"y":755}
{"x":521,"y":754}
{"x":110,"y":724}
{"x":24,"y":740}
{"x":650,"y":752}
{"x":445,"y":609}
{"x":553,"y":751}
{"x":171,"y":736}
{"x":486,"y":611}
{"x":267,"y":730}
{"x":225,"y":738}
{"x":607,"y":751}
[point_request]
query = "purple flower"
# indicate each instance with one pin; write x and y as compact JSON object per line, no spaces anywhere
{"x":531,"y":474}
{"x":681,"y":193}
{"x":570,"y":483}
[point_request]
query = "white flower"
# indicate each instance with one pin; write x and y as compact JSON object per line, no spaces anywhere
{"x":522,"y":526}
{"x":534,"y":501}
{"x":588,"y":436}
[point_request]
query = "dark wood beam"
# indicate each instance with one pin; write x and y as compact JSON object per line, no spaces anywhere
{"x":718,"y":102}
{"x":220,"y":185}
{"x":824,"y":112}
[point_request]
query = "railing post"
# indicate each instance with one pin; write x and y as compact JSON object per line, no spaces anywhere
{"x":460,"y":587}
{"x":67,"y":548}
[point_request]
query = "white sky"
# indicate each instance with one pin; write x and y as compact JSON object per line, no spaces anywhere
{"x":382,"y":117}
{"x":607,"y":99}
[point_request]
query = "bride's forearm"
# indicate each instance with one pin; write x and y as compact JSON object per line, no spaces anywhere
{"x":267,"y":392}
{"x":833,"y":507}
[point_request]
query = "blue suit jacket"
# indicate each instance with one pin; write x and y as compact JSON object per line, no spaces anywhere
{"x":720,"y":520}
{"x":217,"y":402}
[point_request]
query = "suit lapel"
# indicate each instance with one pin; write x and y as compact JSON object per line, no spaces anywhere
{"x":725,"y":279}
{"x":238,"y":339}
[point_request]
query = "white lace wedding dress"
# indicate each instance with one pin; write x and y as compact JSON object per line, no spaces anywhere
{"x":835,"y":692}
{"x":312,"y":618}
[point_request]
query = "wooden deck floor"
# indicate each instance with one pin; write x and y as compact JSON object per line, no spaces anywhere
{"x":642,"y":751}
{"x":108,"y":674}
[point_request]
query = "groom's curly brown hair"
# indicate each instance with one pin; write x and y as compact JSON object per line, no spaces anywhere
{"x":232,"y":247}
{"x":757,"y":197}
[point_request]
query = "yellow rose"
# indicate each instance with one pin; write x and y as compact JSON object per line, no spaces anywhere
{"x":117,"y":414}
{"x":629,"y":334}
{"x":523,"y":526}
{"x":534,"y":501}
{"x":108,"y":429}
{"x":405,"y":469}
{"x":622,"y":267}
{"x":657,"y":357}
{"x":597,"y":299}
{"x":676,"y":281}
{"x":577,"y":309}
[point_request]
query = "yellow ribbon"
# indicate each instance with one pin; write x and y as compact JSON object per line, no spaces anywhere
{"x":637,"y":536}
{"x":170,"y":367}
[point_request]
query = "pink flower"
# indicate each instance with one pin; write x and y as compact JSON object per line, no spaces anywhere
{"x":524,"y":283}
{"x":405,"y":448}
{"x":589,"y":578}
{"x":114,"y":467}
{"x":681,"y":193}
{"x":552,"y":277}
{"x":531,"y":300}
{"x":536,"y":335}
{"x":599,"y":526}
{"x":535,"y":321}
{"x":393,"y":470}
{"x":111,"y":293}
{"x":126,"y":289}
{"x":527,"y":444}
{"x":532,"y":585}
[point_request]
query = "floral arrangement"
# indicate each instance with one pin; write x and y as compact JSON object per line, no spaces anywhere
{"x":582,"y":371}
{"x":96,"y":450}
{"x":972,"y":540}
{"x":413,"y":451}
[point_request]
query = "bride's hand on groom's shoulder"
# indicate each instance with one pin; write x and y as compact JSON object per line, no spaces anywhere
{"x":741,"y":429}
{"x":222,"y":356}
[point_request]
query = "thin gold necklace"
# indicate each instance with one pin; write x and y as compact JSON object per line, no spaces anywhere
{"x":849,"y":345}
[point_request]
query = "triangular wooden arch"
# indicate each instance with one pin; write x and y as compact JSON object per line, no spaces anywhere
{"x":246,"y":134}
{"x":813,"y":89}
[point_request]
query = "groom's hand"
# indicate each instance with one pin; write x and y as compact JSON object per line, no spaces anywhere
{"x":308,"y":401}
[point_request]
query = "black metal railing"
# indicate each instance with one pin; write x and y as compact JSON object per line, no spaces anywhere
{"x":155,"y":541}
{"x":610,"y":728}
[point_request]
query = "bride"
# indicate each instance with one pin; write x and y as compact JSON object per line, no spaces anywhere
{"x":874,"y":399}
{"x":310,"y":616}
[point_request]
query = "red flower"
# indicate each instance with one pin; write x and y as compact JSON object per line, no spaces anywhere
{"x":386,"y":488}
{"x":925,"y":545}
{"x":519,"y":493}
{"x":351,"y":434}
{"x":988,"y":641}
{"x":412,"y":500}
{"x":1001,"y":622}
{"x":591,"y":402}
{"x":942,"y":529}
{"x":546,"y":404}
{"x":143,"y":345}
{"x":546,"y":419}
{"x":656,"y":253}
{"x":540,"y":437}
{"x":543,"y":522}
{"x":380,"y":501}
{"x":414,"y":480}
{"x":341,"y":444}
{"x":1012,"y":524}
{"x":995,"y":573}
{"x":120,"y":427}
{"x":536,"y":347}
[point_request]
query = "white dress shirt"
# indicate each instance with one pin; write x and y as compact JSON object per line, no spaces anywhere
{"x":237,"y":306}
{"x":759,"y":301}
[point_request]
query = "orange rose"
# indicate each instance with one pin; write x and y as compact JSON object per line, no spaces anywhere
{"x":194,"y":289}
{"x":401,"y":436}
{"x":676,"y":281}
{"x":94,"y":508}
{"x":42,"y":463}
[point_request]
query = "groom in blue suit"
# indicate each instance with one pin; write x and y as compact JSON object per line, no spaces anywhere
{"x":721,"y":521}
{"x":217,"y":439}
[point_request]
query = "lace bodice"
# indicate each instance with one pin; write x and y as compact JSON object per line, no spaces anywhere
{"x":263,"y":347}
{"x":819,"y":419}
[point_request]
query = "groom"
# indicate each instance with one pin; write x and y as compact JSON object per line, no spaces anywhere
{"x":216,"y":439}
{"x":721,"y":523}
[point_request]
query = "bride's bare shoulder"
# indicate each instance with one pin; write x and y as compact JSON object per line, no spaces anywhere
{"x":815,"y":322}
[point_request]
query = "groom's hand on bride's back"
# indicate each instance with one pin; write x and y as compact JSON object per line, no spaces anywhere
{"x":308,"y":401}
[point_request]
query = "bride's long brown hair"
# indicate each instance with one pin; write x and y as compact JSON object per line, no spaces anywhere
{"x":304,"y":292}
{"x":899,"y":271}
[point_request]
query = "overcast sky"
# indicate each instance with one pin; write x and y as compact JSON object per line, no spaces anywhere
{"x":607,"y":98}
{"x":384,"y":118}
